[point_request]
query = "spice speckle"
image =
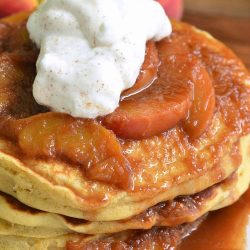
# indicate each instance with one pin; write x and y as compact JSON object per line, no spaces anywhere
{"x":90,"y":51}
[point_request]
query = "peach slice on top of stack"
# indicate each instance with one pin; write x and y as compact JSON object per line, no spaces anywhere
{"x":182,"y":91}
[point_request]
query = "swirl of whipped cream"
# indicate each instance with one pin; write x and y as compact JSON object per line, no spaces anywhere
{"x":91,"y":50}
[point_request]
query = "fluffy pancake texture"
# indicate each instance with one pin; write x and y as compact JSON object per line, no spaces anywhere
{"x":47,"y":202}
{"x":160,"y":238}
{"x":30,"y":222}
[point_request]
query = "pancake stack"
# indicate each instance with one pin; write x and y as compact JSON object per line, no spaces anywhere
{"x":170,"y":180}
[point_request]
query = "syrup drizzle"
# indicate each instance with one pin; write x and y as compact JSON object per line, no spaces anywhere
{"x":225,"y":229}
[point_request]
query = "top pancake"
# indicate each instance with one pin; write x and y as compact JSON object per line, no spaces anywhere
{"x":164,"y":166}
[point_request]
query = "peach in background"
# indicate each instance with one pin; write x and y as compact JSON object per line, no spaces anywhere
{"x":173,"y":8}
{"x":8,"y":7}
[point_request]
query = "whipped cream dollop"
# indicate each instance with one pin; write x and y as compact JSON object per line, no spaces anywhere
{"x":91,"y":50}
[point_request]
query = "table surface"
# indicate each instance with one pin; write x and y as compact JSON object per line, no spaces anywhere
{"x":233,"y":31}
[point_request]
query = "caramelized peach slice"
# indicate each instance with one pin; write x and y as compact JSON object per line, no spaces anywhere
{"x":203,"y":105}
{"x":148,"y":72}
{"x":203,"y":100}
{"x":159,"y":107}
{"x":82,"y":142}
{"x":182,"y":81}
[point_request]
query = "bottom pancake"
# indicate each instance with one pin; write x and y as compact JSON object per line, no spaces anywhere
{"x":155,"y":238}
{"x":25,"y":243}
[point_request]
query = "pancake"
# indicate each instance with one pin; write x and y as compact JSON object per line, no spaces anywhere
{"x":181,"y":210}
{"x":160,"y":238}
{"x":26,"y":243}
{"x":38,"y":192}
{"x":163,"y":166}
{"x":7,"y":228}
{"x":164,"y":184}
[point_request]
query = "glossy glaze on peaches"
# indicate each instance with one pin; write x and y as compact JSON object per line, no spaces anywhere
{"x":183,"y":86}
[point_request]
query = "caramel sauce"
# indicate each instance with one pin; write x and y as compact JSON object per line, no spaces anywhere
{"x":16,"y":205}
{"x":148,"y":72}
{"x":223,"y":229}
{"x":157,"y":238}
{"x":17,"y":72}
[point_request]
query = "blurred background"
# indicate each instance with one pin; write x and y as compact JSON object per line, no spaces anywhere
{"x":234,"y":8}
{"x":227,"y":20}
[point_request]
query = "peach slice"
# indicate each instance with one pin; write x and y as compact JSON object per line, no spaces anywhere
{"x":159,"y":107}
{"x":183,"y":81}
{"x":203,"y":105}
{"x":85,"y":143}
